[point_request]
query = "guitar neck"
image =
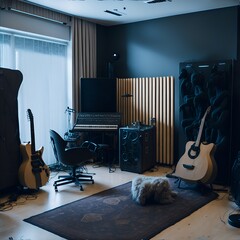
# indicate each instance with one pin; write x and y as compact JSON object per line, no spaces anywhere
{"x":197,"y":143}
{"x":33,"y":149}
{"x":30,"y":116}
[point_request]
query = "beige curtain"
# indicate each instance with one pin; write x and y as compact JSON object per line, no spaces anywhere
{"x":84,"y":57}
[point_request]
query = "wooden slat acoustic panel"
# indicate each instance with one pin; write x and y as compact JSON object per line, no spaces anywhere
{"x":146,"y":100}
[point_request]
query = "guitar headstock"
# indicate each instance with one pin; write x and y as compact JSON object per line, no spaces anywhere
{"x":208,"y":109}
{"x":30,"y":115}
{"x":207,"y":112}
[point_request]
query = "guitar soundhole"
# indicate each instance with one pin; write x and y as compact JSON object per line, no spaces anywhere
{"x":193,"y":152}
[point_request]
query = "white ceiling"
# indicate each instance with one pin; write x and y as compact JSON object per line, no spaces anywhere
{"x":130,"y":10}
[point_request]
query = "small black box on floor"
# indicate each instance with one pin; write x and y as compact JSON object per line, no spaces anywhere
{"x":137,"y":148}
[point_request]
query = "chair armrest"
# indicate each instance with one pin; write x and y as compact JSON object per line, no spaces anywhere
{"x":90,"y":145}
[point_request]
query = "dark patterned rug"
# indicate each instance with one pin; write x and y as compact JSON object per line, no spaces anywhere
{"x":112,"y":214}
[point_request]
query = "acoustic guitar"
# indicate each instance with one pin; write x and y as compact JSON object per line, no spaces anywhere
{"x":197,"y":162}
{"x":33,"y":172}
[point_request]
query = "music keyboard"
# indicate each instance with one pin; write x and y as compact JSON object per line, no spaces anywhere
{"x":95,"y":127}
{"x":97,"y":121}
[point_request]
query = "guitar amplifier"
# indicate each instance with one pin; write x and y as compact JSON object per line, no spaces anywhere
{"x":137,"y":148}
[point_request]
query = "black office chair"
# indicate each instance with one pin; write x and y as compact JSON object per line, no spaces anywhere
{"x":74,"y":158}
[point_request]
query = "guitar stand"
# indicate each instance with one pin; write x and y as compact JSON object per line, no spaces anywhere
{"x":202,"y":186}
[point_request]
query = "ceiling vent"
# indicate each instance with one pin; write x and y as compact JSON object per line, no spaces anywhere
{"x":113,"y":12}
{"x":157,"y":1}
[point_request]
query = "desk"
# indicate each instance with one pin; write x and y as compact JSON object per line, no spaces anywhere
{"x":101,"y":137}
{"x":100,"y":128}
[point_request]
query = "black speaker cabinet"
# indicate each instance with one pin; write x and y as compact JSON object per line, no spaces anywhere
{"x":137,"y":148}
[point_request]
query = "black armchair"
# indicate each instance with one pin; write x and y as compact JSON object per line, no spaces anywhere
{"x":74,"y":157}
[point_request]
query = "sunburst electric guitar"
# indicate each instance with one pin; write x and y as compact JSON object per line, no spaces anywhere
{"x":33,"y":172}
{"x":197,"y":163}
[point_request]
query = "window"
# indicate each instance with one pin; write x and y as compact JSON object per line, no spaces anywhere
{"x":44,"y":90}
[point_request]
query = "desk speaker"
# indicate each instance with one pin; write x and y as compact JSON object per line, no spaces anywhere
{"x":137,"y":148}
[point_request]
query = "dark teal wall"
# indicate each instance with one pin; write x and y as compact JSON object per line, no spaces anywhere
{"x":156,"y":47}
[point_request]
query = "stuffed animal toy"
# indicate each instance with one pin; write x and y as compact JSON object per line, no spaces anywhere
{"x":152,"y":190}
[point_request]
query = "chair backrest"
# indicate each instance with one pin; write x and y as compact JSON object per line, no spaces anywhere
{"x":58,"y":145}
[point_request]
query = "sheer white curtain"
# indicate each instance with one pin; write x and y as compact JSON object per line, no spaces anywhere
{"x":5,"y":50}
{"x":44,"y":89}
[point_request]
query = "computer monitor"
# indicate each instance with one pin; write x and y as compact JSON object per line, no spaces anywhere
{"x":98,"y":94}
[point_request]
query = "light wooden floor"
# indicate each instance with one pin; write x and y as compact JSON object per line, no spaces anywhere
{"x":208,"y":223}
